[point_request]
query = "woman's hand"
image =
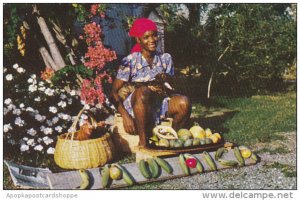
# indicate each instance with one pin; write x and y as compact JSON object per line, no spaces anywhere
{"x":128,"y":124}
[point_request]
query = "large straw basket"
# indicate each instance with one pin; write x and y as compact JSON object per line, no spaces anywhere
{"x":75,"y":154}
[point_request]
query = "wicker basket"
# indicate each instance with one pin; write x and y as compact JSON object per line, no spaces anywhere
{"x":75,"y":154}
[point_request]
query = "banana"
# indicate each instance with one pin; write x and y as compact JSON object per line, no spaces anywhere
{"x":227,"y":162}
{"x":183,"y":166}
{"x":220,"y":152}
{"x":253,"y":157}
{"x":85,"y":179}
{"x":105,"y":176}
{"x":209,"y":161}
{"x":144,"y":169}
{"x":199,"y":166}
{"x":238,"y":156}
{"x":164,"y":164}
{"x":154,"y":168}
{"x":126,"y":175}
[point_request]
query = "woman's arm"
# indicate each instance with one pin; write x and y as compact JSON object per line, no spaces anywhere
{"x":118,"y":102}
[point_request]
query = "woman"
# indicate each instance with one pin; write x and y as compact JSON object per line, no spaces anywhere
{"x":145,"y":104}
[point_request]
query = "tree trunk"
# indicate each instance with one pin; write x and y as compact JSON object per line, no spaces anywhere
{"x":59,"y":61}
{"x":47,"y":58}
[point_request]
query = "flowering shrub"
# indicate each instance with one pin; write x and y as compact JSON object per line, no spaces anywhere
{"x":38,"y":108}
{"x":36,"y":112}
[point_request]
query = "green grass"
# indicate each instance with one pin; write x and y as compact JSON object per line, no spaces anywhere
{"x":257,"y":118}
{"x":288,"y":171}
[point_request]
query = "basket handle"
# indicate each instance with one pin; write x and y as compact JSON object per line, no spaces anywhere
{"x":73,"y":126}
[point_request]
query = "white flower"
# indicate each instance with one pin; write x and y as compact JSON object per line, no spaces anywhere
{"x":16,"y":66}
{"x":38,"y":147}
{"x":11,"y":107}
{"x":42,"y":128}
{"x":21,"y":105}
{"x":6,"y":128}
{"x":32,"y":88}
{"x":21,"y":70}
{"x":47,"y":140}
{"x":73,"y":93}
{"x":52,"y":109}
{"x":42,"y":89}
{"x":49,"y":122}
{"x":41,"y":83}
{"x":30,"y":80}
{"x":49,"y":92}
{"x":31,"y":132}
{"x":7,"y":101}
{"x":29,"y":109}
{"x":33,"y":76}
{"x":38,"y":99}
{"x":86,"y":106}
{"x":30,"y":142}
{"x":19,"y":121}
{"x":63,"y":96}
{"x":55,"y":120}
{"x":5,"y":111}
{"x":24,"y":147}
{"x":50,"y":150}
{"x":66,"y":117}
{"x":84,"y":116}
{"x":25,"y":138}
{"x":70,"y":101}
{"x":9,"y":77}
{"x":39,"y":117}
{"x":11,"y":141}
{"x":62,"y":104}
{"x":58,"y":129}
{"x":47,"y":131}
{"x":16,"y":111}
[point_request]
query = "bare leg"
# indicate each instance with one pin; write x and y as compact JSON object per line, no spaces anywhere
{"x":180,"y":110}
{"x":141,"y":104}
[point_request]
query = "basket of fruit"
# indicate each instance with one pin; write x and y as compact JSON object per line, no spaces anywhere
{"x":90,"y":146}
{"x":165,"y":138}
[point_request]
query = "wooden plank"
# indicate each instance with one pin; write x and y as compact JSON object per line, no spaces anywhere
{"x":71,"y":179}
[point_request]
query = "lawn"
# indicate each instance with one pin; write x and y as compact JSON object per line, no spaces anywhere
{"x":259,"y":118}
{"x":244,"y":121}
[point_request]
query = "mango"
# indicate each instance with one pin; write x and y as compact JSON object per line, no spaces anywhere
{"x":196,"y":130}
{"x":208,"y":132}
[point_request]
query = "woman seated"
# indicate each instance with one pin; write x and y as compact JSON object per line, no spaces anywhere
{"x":140,"y":102}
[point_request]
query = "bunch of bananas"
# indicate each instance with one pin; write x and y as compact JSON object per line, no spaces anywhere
{"x":21,"y":40}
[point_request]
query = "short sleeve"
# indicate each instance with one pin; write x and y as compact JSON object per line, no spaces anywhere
{"x":124,"y":70}
{"x":169,"y":64}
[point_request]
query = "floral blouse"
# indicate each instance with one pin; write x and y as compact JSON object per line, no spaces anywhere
{"x":135,"y":68}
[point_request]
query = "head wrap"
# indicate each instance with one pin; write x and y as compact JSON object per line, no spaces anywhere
{"x":139,"y":27}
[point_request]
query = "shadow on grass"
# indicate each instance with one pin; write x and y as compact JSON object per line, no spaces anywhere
{"x":214,"y":122}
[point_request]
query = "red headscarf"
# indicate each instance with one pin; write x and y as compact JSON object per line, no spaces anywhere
{"x":139,"y":27}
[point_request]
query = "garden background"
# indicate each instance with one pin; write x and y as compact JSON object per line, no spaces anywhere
{"x":237,"y":63}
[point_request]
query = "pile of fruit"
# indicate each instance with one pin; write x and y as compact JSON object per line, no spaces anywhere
{"x":151,"y":168}
{"x":165,"y":136}
{"x":108,"y":173}
{"x":241,"y":153}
